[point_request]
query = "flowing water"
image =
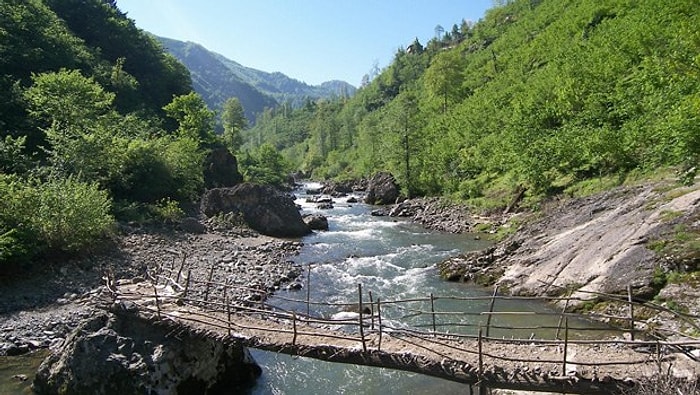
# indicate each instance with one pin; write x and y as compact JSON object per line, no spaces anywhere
{"x":392,"y":258}
{"x":395,"y":260}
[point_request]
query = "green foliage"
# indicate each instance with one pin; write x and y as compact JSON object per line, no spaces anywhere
{"x":58,"y":215}
{"x":13,"y":159}
{"x":168,"y":211}
{"x":234,"y":121}
{"x":547,"y":95}
{"x":195,"y":120}
{"x":265,"y":166}
{"x":144,"y":77}
{"x":149,"y":170}
{"x":82,"y":123}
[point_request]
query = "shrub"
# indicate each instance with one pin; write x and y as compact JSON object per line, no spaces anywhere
{"x":71,"y":214}
{"x":59,"y":215}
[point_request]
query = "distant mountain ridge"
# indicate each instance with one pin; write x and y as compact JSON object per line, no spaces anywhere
{"x":217,"y":78}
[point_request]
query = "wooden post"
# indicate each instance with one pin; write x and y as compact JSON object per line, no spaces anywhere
{"x":155,"y":293}
{"x":481,"y":358}
{"x":211,"y":274}
{"x":187,"y":284}
{"x":371,"y":306}
{"x":493,"y":302}
{"x":228,"y":313}
{"x":631,"y":310}
{"x":561,"y":317}
{"x":294,"y":326}
{"x":432,"y":311}
{"x":184,"y":258}
{"x":379,"y":316}
{"x":308,"y":291}
{"x":362,"y":329}
{"x":566,"y":345}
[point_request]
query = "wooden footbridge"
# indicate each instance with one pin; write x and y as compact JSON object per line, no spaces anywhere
{"x":564,"y":364}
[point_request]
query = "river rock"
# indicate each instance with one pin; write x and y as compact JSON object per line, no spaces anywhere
{"x":221,"y":169}
{"x":262,"y":207}
{"x":111,"y":355}
{"x":382,"y":189}
{"x":316,"y":221}
{"x":192,"y":225}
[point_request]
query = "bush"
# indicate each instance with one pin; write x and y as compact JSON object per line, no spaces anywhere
{"x":71,"y":214}
{"x":59,"y":215}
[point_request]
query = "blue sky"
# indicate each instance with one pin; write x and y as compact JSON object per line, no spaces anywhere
{"x":310,"y":40}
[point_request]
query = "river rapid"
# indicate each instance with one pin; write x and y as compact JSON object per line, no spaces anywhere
{"x":395,"y":260}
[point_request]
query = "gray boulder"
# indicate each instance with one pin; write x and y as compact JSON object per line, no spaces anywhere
{"x":110,"y":355}
{"x":262,"y":207}
{"x":316,"y":221}
{"x":382,"y":189}
{"x":192,"y":225}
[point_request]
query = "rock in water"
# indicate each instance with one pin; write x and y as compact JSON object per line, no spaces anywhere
{"x":316,"y":221}
{"x":263,"y":208}
{"x":382,"y":189}
{"x":110,"y":355}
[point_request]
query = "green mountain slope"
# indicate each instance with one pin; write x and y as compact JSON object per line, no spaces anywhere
{"x":217,"y":78}
{"x":539,"y":95}
{"x":214,"y":81}
{"x":96,"y":122}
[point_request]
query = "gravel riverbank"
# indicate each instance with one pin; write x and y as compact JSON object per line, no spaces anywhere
{"x":41,"y":309}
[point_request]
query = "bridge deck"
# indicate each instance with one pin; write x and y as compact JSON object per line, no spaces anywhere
{"x":588,"y":367}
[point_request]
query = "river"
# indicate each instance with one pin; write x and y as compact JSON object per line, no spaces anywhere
{"x":394,"y":259}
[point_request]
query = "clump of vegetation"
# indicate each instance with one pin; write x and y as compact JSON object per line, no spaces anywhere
{"x":60,"y":215}
{"x":96,"y":122}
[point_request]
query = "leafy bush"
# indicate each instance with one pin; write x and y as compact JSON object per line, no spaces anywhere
{"x":168,"y":211}
{"x":59,"y":215}
{"x":265,"y":166}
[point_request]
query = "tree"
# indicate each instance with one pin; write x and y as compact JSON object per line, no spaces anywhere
{"x":75,"y":113}
{"x":443,"y":78}
{"x":195,"y":120}
{"x":234,"y":121}
{"x":265,"y":166}
{"x":439,"y":30}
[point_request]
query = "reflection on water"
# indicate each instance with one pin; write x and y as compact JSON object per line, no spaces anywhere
{"x":17,"y":373}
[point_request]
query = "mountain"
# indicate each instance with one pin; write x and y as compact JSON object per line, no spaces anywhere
{"x":216,"y":78}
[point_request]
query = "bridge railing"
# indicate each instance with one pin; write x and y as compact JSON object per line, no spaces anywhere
{"x":221,"y":304}
{"x":631,"y":325}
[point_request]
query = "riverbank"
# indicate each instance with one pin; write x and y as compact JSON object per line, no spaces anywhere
{"x":40,"y":309}
{"x":643,"y":238}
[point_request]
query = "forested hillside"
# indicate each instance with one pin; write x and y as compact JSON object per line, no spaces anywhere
{"x":214,"y":81}
{"x":217,"y":78}
{"x":540,"y":95}
{"x":96,"y":122}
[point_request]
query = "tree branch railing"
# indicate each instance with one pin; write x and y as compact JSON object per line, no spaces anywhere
{"x":220,"y":306}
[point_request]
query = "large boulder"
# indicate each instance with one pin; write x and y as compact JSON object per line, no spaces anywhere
{"x":112,"y":355}
{"x":382,"y":189}
{"x":221,"y":169}
{"x":262,"y":207}
{"x":316,"y":221}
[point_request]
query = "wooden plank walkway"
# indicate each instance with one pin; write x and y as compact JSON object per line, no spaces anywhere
{"x":584,"y":367}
